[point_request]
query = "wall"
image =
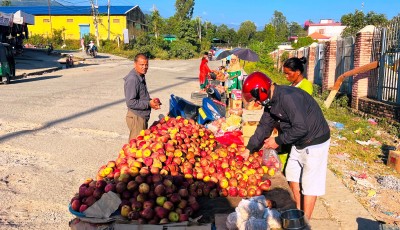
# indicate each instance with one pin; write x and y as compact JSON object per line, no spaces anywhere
{"x":362,"y":56}
{"x":43,"y":26}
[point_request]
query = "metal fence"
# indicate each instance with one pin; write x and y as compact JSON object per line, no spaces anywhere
{"x":386,"y":49}
{"x":319,"y":64}
{"x":345,"y":62}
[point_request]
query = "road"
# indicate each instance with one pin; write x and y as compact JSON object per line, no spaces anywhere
{"x":58,"y":128}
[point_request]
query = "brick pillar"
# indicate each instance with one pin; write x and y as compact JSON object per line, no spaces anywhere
{"x":311,"y":62}
{"x":329,"y":64}
{"x":362,"y":56}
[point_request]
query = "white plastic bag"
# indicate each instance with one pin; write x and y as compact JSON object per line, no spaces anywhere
{"x":248,"y":208}
{"x":273,"y":218}
{"x":256,"y":224}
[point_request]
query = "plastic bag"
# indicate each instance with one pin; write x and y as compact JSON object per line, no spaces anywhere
{"x":271,"y":160}
{"x":250,"y":208}
{"x":231,"y":221}
{"x":256,"y":224}
{"x":273,"y":218}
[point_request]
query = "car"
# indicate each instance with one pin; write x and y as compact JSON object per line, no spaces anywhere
{"x":7,"y":63}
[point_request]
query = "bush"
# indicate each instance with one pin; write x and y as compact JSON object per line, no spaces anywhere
{"x":182,"y":50}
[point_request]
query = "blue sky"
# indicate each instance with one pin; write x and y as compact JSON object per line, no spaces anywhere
{"x":260,"y":12}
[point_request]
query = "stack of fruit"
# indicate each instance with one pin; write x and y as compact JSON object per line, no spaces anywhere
{"x":162,"y":171}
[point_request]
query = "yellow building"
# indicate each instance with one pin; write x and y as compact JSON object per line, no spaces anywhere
{"x":77,"y":21}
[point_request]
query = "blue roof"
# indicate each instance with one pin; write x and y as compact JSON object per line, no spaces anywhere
{"x":65,"y":10}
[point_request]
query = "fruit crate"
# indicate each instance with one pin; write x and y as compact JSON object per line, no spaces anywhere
{"x":197,"y":97}
{"x":252,"y":115}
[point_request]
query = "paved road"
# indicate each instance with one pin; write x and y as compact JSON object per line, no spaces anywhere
{"x":58,"y":128}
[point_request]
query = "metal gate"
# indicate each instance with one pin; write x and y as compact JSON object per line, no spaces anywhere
{"x":345,"y":62}
{"x":386,"y":50}
{"x":319,"y":64}
{"x":306,"y":54}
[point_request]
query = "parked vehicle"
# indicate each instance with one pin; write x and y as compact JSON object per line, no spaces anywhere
{"x":49,"y":48}
{"x":7,"y":63}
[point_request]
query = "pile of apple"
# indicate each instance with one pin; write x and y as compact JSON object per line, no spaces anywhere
{"x":153,"y":199}
{"x":160,"y":173}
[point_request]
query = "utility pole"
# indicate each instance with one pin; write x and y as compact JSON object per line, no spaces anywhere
{"x":108,"y":36}
{"x":51,"y":23}
{"x":94,"y":11}
{"x":199,"y":30}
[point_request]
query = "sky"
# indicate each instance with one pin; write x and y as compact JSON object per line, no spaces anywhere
{"x":234,"y":12}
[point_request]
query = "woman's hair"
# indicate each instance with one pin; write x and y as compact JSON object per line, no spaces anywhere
{"x":295,"y":63}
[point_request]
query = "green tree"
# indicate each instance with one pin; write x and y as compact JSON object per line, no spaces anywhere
{"x":269,"y":37}
{"x":223,"y":32}
{"x":6,"y":2}
{"x":358,"y":20}
{"x":246,"y":32}
{"x":187,"y":32}
{"x":156,"y":23}
{"x":184,"y":9}
{"x":280,"y":24}
{"x":303,"y":41}
{"x":296,"y":30}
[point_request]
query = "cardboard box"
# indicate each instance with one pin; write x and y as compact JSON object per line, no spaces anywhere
{"x":236,"y":94}
{"x":393,"y":160}
{"x":252,"y":115}
{"x":249,"y":128}
{"x":235,"y":104}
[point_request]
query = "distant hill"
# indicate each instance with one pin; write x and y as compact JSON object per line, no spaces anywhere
{"x":34,"y":3}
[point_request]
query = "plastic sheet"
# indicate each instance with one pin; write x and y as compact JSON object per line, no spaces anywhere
{"x":231,"y":137}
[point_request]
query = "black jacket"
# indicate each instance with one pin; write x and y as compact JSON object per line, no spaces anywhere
{"x":299,"y":116}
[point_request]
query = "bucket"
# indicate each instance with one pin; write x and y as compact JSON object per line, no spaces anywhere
{"x":293,"y":219}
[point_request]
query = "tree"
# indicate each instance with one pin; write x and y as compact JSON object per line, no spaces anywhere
{"x":184,"y":9}
{"x":6,"y":2}
{"x":358,"y":20}
{"x":280,"y":24}
{"x":156,"y":23}
{"x":187,"y":32}
{"x":246,"y":32}
{"x":224,"y":33}
{"x":269,"y":37}
{"x":303,"y":41}
{"x":296,"y":30}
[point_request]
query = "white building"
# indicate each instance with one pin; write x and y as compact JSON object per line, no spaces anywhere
{"x":326,"y":27}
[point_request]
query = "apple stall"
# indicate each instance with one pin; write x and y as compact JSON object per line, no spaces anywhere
{"x":181,"y":174}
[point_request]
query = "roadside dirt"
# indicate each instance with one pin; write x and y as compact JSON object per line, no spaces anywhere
{"x":375,"y":185}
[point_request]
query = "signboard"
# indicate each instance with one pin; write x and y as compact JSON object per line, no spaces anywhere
{"x":126,"y":36}
{"x":6,"y":19}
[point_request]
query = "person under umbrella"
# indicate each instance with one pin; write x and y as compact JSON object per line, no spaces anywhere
{"x":234,"y":71}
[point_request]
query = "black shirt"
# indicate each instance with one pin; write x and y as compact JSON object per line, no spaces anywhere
{"x":299,"y":116}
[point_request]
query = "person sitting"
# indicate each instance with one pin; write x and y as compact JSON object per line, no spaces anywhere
{"x":69,"y":62}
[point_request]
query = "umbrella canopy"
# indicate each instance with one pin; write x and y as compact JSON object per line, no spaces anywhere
{"x":218,"y":52}
{"x":224,"y":54}
{"x":246,"y":54}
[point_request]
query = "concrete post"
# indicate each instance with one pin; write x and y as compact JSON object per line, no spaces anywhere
{"x":362,"y":56}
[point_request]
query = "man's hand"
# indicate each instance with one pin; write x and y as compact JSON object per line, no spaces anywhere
{"x":270,"y":143}
{"x":154,"y":104}
{"x":245,"y":154}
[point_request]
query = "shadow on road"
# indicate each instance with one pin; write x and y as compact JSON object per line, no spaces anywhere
{"x":25,"y":80}
{"x":366,"y":224}
{"x":49,"y":124}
